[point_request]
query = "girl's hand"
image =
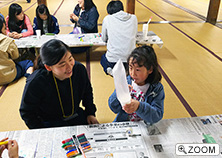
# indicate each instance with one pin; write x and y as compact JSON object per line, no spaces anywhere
{"x":92,"y":120}
{"x":11,"y":35}
{"x":131,"y":107}
{"x":17,"y":36}
{"x":130,"y":87}
{"x":13,"y":149}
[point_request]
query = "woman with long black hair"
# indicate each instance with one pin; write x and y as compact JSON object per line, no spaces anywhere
{"x":53,"y":93}
{"x":85,"y":16}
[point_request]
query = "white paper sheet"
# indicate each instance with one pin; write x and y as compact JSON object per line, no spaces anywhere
{"x":122,"y":89}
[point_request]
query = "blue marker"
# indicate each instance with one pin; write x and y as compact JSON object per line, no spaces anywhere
{"x":81,"y":36}
{"x":71,"y":151}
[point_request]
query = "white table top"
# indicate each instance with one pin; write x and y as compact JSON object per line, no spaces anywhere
{"x":152,"y":38}
{"x":75,"y":40}
{"x":72,"y":40}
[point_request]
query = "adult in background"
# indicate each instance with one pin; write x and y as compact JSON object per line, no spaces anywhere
{"x":85,"y":18}
{"x":44,"y":21}
{"x":9,"y":69}
{"x":53,"y":93}
{"x":119,"y":30}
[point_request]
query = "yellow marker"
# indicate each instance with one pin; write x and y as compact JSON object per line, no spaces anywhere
{"x":4,"y":143}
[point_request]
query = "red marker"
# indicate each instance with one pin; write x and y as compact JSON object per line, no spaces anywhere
{"x":67,"y":140}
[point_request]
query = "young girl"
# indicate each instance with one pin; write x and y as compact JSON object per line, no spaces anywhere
{"x":146,"y":90}
{"x":53,"y":93}
{"x":44,"y":21}
{"x":17,"y":23}
{"x":10,"y":70}
{"x":85,"y":16}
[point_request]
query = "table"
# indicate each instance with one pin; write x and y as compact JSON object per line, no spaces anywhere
{"x":148,"y":141}
{"x":72,"y":40}
{"x":151,"y":39}
{"x":82,"y":40}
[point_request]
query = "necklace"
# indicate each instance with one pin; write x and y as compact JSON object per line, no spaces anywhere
{"x":60,"y":101}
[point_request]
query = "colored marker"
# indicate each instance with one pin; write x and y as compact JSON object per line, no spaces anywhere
{"x":69,"y":147}
{"x":85,"y":145}
{"x":81,"y":36}
{"x":4,"y":143}
{"x":71,"y":151}
{"x":68,"y":143}
{"x":67,"y":140}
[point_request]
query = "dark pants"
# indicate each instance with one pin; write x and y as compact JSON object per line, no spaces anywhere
{"x":76,"y":50}
{"x":105,"y":64}
{"x":22,"y":67}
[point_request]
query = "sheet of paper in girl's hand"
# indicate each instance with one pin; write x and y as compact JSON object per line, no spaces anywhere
{"x":121,"y":85}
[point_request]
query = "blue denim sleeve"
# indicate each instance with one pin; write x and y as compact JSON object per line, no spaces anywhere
{"x":152,"y":109}
{"x":114,"y":103}
{"x":91,"y":21}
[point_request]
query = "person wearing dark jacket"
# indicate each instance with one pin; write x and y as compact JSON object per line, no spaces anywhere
{"x":53,"y":93}
{"x":44,"y":21}
{"x":85,"y":16}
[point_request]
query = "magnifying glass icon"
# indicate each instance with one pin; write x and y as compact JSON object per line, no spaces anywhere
{"x":181,"y":148}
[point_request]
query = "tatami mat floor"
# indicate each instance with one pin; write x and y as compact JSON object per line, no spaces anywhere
{"x":190,"y":59}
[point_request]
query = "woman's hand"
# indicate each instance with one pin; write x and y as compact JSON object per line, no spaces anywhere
{"x":131,"y":107}
{"x":92,"y":120}
{"x":74,"y":17}
{"x":13,"y":149}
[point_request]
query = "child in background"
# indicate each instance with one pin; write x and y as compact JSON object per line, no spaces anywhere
{"x":17,"y":23}
{"x":119,"y":30}
{"x":10,"y":70}
{"x":12,"y":147}
{"x":146,"y":90}
{"x":44,"y":21}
